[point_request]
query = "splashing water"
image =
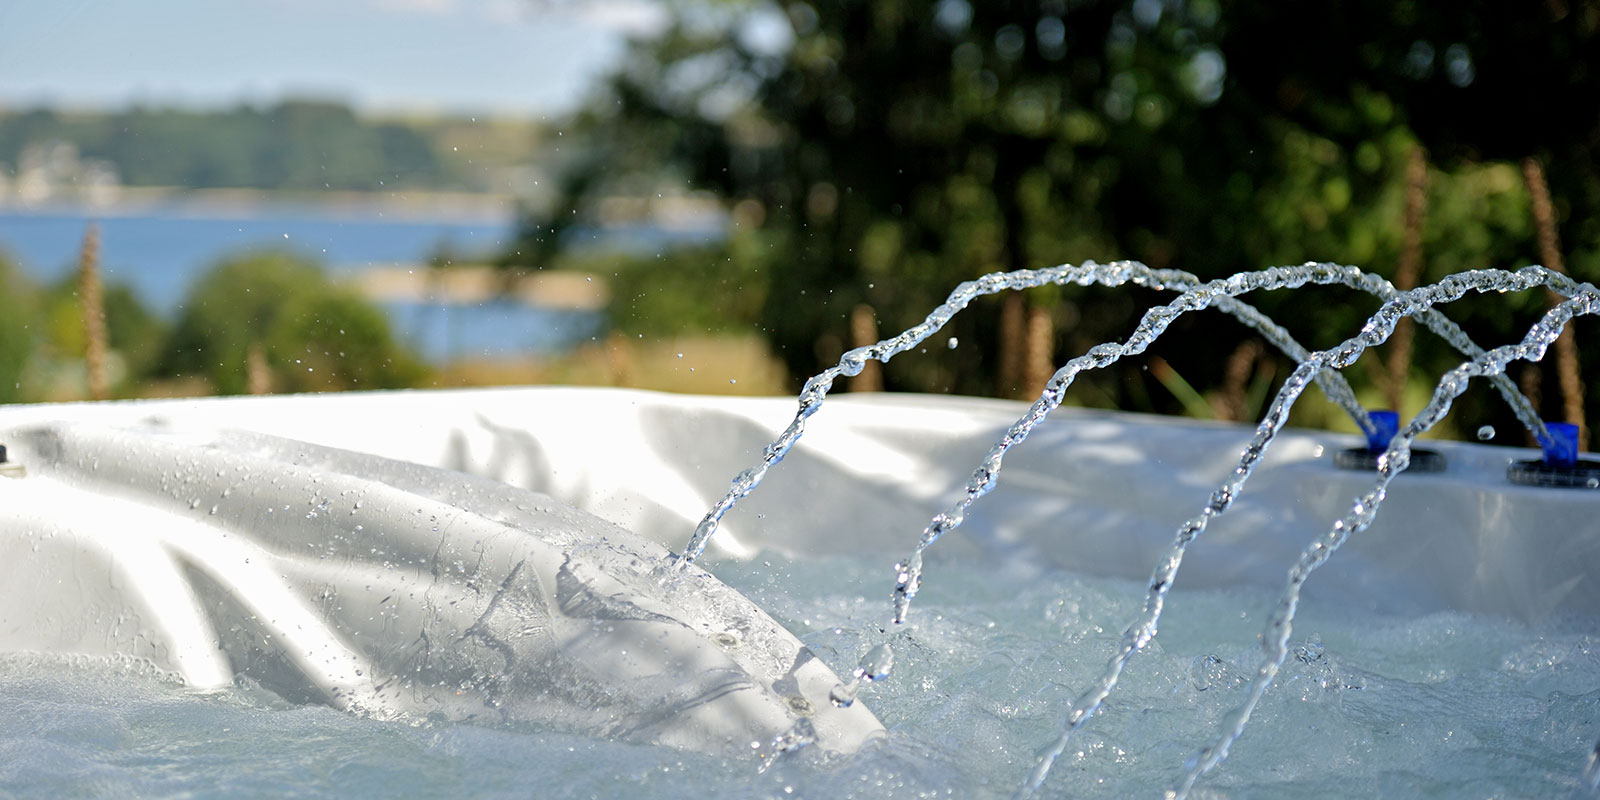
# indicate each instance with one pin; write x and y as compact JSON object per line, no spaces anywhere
{"x":1365,"y":509}
{"x":1377,"y":330}
{"x":874,"y":666}
{"x":1321,"y":368}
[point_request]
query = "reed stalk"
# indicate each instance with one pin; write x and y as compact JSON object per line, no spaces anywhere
{"x":92,"y":299}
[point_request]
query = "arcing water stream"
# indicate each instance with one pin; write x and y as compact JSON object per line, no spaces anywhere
{"x":1321,"y":367}
{"x":1281,"y":623}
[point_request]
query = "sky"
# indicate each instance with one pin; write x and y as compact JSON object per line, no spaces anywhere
{"x":527,"y":58}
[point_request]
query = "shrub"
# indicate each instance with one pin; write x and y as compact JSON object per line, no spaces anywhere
{"x":137,"y":336}
{"x":313,"y":334}
{"x":18,"y":330}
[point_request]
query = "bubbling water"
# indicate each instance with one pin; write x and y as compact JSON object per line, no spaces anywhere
{"x":1319,"y":367}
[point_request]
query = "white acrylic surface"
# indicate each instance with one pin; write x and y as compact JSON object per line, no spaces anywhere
{"x":1091,"y":491}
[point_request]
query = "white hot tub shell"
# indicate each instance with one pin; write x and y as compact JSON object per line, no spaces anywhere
{"x":433,"y":552}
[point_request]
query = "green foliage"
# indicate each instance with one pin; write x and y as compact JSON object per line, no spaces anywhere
{"x":133,"y":333}
{"x":690,"y":290}
{"x":312,"y":334}
{"x":335,"y":341}
{"x":18,"y":330}
{"x":888,"y":151}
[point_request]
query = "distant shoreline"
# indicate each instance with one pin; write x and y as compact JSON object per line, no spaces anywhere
{"x":400,"y":206}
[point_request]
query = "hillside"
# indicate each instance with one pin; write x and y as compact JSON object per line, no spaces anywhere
{"x":297,"y":145}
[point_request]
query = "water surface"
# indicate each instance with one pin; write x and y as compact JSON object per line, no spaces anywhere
{"x":1441,"y":705}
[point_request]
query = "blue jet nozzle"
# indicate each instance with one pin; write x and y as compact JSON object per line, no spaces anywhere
{"x":1561,"y":450}
{"x":1385,"y":425}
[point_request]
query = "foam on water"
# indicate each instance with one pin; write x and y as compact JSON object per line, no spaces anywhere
{"x":1430,"y":706}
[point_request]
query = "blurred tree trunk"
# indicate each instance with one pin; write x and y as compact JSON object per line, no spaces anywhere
{"x":864,"y":333}
{"x":1567,"y":365}
{"x":1406,"y":274}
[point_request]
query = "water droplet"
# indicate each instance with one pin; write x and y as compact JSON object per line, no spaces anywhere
{"x":1486,"y":433}
{"x":953,"y":343}
{"x":843,"y":695}
{"x":876,"y":664}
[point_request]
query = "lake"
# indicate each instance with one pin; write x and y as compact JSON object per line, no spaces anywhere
{"x":161,"y":254}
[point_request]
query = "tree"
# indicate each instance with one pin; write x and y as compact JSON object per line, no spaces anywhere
{"x":294,"y":145}
{"x":888,"y":150}
{"x":312,"y":335}
{"x":18,"y":330}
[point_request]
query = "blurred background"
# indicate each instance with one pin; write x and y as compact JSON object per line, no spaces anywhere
{"x":723,"y":196}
